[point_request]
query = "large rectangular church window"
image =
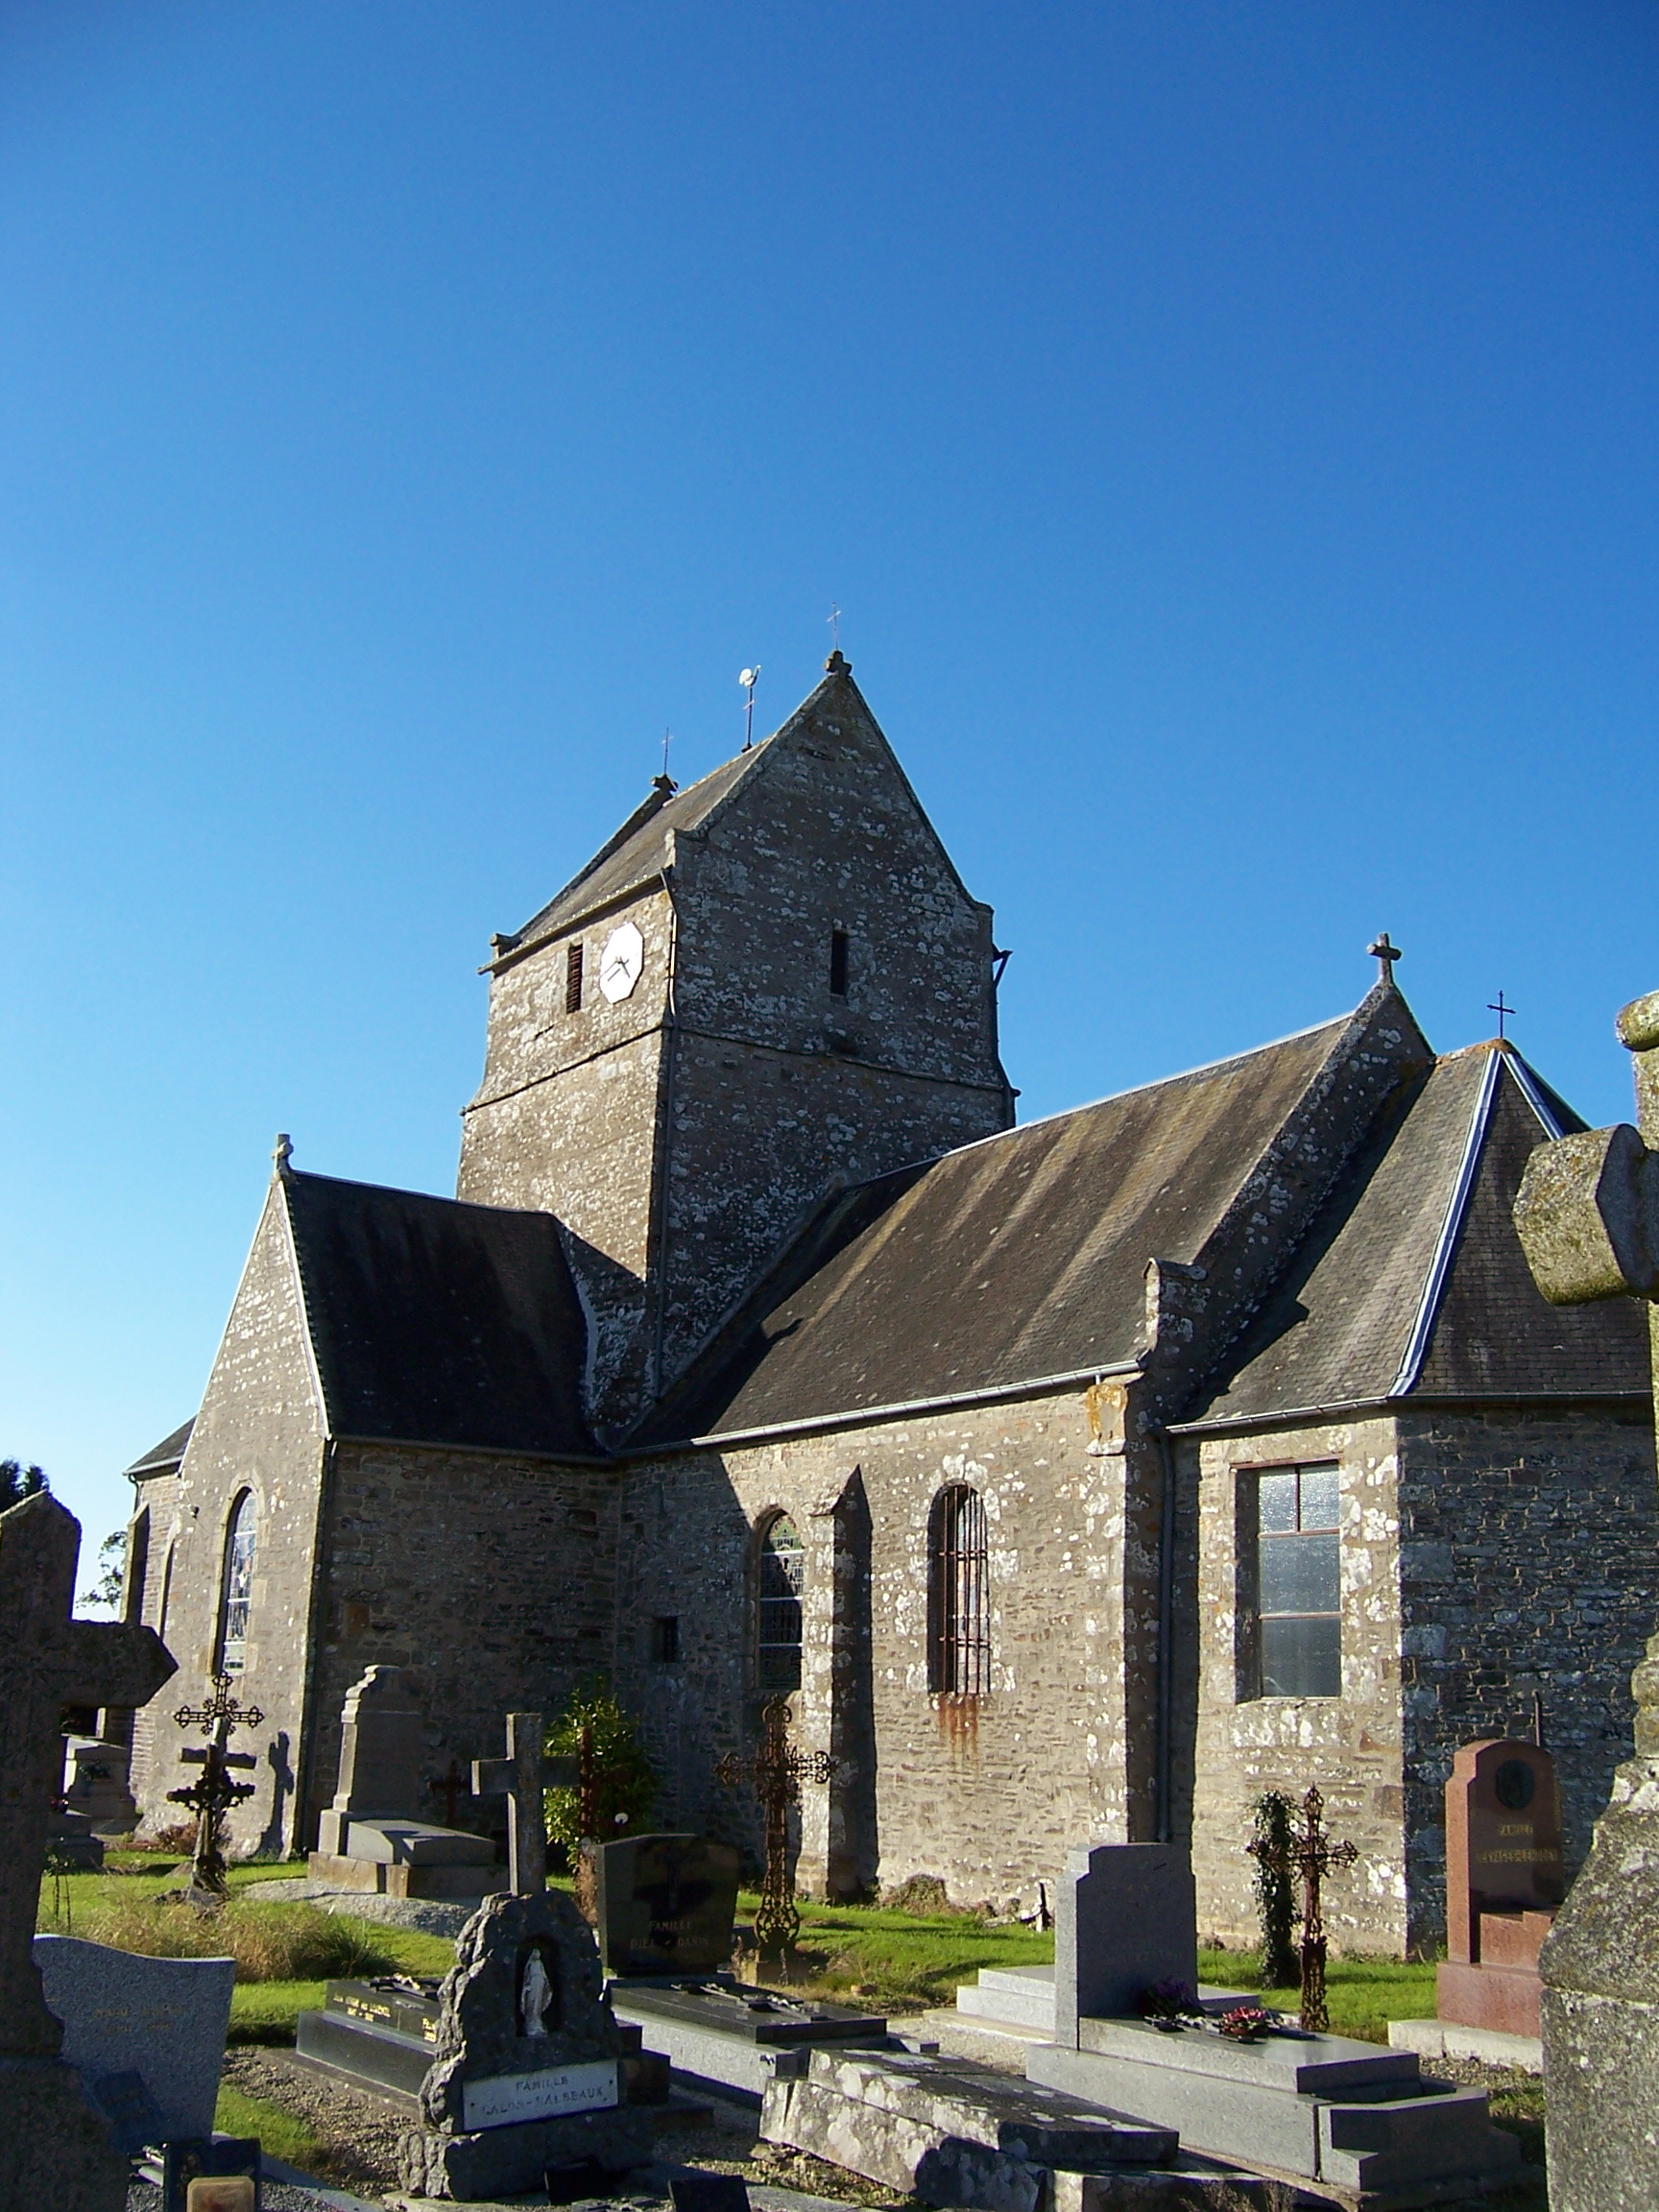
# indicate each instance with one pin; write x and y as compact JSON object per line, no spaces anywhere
{"x":1298,"y":1609}
{"x":781,"y":1575}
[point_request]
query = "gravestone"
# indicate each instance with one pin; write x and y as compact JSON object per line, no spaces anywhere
{"x":164,"y":2019}
{"x":664,"y":1904}
{"x":526,"y":2066}
{"x":1504,"y":1877}
{"x":1125,"y":1918}
{"x":55,"y":2148}
{"x":371,"y":1836}
{"x":1588,"y":1216}
{"x":95,"y":1784}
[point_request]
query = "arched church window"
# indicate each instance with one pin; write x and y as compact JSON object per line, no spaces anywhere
{"x":166,"y":1598}
{"x":958,"y":1623}
{"x":781,"y":1565}
{"x":238,"y":1587}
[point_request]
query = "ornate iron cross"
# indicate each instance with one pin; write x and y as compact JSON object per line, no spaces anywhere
{"x":1309,"y":1854}
{"x":213,"y":1792}
{"x":775,"y":1772}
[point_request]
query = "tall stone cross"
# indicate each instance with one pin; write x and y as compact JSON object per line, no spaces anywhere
{"x":1588,"y":1216}
{"x":774,"y":1773}
{"x":518,"y":1778}
{"x":1308,"y":1855}
{"x":47,"y":1661}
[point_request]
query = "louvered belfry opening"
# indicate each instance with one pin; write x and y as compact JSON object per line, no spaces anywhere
{"x":958,"y":1624}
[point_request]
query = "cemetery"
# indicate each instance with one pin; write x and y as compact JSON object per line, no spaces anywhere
{"x":512,"y":2038}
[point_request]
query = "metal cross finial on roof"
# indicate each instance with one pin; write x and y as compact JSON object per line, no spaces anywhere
{"x":667,"y":740}
{"x":1502,"y":1012}
{"x":833,"y":620}
{"x":1385,"y":954}
{"x":749,"y":678}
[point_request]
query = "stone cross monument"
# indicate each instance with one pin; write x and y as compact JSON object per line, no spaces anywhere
{"x":1588,"y":1216}
{"x":53,"y":2149}
{"x":518,"y":1779}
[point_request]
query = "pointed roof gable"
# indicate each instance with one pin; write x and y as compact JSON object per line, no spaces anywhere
{"x":636,"y":855}
{"x":1018,"y":1260}
{"x":162,"y":1459}
{"x":1413,"y":1281}
{"x":435,"y":1322}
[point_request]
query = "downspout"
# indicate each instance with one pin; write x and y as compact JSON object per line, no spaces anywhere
{"x":1166,"y":1637}
{"x":671,"y":1026}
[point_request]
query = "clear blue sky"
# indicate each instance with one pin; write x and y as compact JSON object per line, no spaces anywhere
{"x":1230,"y":431}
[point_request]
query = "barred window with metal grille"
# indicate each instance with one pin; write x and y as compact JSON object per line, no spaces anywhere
{"x":778,"y":1608}
{"x":958,"y":1623}
{"x":238,"y":1586}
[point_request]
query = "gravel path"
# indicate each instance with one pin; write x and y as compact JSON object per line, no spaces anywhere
{"x":360,"y":2130}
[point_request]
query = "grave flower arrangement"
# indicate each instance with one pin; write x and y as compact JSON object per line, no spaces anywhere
{"x":1169,"y":2005}
{"x":1245,"y":2023}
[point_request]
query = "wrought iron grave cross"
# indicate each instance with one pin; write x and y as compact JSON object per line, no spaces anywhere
{"x":47,"y":1661}
{"x":213,"y":1792}
{"x":518,"y":1779}
{"x":1310,"y":1855}
{"x":775,"y":1772}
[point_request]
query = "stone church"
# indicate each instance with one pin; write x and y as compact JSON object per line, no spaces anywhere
{"x":1077,"y":1481}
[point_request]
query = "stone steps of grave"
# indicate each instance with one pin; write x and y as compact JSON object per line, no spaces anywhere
{"x":1354,"y":2118}
{"x":1012,"y":1997}
{"x":952,"y":2132}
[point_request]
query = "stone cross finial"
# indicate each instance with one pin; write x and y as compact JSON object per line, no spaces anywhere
{"x":518,"y":1779}
{"x":1385,"y":954}
{"x":281,"y":1152}
{"x":47,"y":1661}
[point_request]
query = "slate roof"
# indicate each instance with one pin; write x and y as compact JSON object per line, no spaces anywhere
{"x":440,"y":1323}
{"x":1013,"y":1259}
{"x":1413,"y":1280}
{"x":161,"y":1459}
{"x":639,"y":850}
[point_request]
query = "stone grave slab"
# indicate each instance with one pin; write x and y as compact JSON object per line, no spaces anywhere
{"x":526,"y":2059}
{"x":163,"y":2019}
{"x":735,"y":2037}
{"x":956,"y":2133}
{"x":664,"y":1904}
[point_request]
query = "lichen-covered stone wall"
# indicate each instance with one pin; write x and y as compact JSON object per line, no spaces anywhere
{"x":259,"y":1428}
{"x":1529,"y":1565}
{"x":1244,"y":1745}
{"x":989,"y":1793}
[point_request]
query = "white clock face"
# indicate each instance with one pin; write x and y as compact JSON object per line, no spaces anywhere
{"x":620,"y":962}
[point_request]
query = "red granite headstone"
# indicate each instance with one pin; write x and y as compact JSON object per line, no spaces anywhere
{"x":1504,"y":1877}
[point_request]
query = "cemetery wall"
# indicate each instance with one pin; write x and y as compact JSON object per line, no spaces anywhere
{"x":1244,"y":1745}
{"x":489,"y":1576}
{"x":1528,"y":1565}
{"x":987,"y":1792}
{"x":260,"y":1430}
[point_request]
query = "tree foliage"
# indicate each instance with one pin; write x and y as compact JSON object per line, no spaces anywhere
{"x":626,"y":1780}
{"x":112,"y":1573}
{"x":18,"y":1482}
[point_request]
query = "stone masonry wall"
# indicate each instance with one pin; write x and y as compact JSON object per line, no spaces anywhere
{"x":1350,"y":1746}
{"x":989,"y":1793}
{"x":489,"y":1576}
{"x":259,"y":1428}
{"x":1528,"y":1564}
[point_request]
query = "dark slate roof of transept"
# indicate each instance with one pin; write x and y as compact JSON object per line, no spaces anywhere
{"x":1414,"y":1282}
{"x":1015,"y":1260}
{"x":161,"y":1459}
{"x":436,"y":1322}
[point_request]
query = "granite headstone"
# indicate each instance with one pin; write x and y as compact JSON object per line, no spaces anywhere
{"x":666,"y":1904}
{"x":1125,"y":1918}
{"x":526,"y":2072}
{"x":164,"y":2019}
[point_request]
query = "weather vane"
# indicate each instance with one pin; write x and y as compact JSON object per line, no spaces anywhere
{"x":749,"y":678}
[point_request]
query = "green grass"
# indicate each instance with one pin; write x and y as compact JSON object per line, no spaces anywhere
{"x":903,"y":1961}
{"x":280,"y":2135}
{"x":1362,"y":1994}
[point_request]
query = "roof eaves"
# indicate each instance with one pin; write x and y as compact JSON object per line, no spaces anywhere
{"x":1451,"y":1230}
{"x":859,"y":1416}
